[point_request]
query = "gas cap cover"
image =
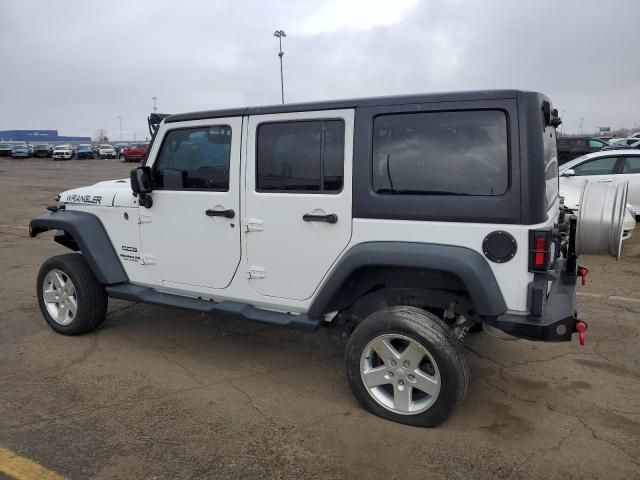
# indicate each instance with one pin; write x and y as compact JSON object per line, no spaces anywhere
{"x":499,"y":246}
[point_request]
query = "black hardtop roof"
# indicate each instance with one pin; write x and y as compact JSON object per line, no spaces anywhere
{"x":348,"y":103}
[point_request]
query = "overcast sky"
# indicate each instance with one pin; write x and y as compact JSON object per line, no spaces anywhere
{"x":76,"y":65}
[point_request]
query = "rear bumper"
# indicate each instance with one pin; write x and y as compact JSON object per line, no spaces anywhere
{"x":557,"y":322}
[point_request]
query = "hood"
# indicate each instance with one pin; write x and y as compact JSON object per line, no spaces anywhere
{"x":101,"y":194}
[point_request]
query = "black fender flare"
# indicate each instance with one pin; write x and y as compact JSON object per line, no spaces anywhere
{"x":91,"y":238}
{"x":464,"y":263}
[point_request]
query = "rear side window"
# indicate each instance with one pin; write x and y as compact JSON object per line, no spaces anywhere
{"x":194,"y":158}
{"x":598,"y":166}
{"x":596,"y":144}
{"x":440,"y":153}
{"x":631,"y":165}
{"x":550,"y":166}
{"x":301,"y":157}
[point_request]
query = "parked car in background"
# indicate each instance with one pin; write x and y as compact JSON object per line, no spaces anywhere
{"x":84,"y":151}
{"x":607,"y":166}
{"x":603,"y":167}
{"x":573,"y":147}
{"x":20,"y":151}
{"x":42,"y":150}
{"x":106,"y":151}
{"x":134,"y":152}
{"x":62,"y":152}
{"x":625,"y":143}
{"x":5,"y":149}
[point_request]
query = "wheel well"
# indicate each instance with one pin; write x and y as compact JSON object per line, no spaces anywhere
{"x":66,"y":239}
{"x":371,"y":288}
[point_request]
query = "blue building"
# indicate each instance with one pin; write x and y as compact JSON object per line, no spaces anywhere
{"x":38,"y":136}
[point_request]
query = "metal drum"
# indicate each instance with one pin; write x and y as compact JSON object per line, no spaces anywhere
{"x":601,"y":217}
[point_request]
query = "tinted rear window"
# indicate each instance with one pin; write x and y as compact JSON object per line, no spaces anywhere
{"x":464,"y":153}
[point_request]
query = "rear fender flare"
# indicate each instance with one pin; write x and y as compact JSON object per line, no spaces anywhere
{"x":469,"y":266}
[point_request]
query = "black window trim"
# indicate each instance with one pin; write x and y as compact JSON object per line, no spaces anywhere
{"x":154,"y":168}
{"x":303,"y":192}
{"x":504,"y":111}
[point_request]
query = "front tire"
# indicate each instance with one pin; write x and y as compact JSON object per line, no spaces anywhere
{"x":405,"y":364}
{"x":70,"y":298}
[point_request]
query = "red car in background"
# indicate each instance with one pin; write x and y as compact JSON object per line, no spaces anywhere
{"x":134,"y":152}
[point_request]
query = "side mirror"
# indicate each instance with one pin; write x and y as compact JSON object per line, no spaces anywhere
{"x":569,"y":173}
{"x":141,"y":180}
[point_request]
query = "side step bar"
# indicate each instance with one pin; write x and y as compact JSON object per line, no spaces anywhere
{"x":136,"y":293}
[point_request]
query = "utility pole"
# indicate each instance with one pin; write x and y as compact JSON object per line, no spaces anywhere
{"x":155,"y":106}
{"x":581,"y":121}
{"x":562,"y":124}
{"x":280,"y":34}
{"x":120,"y":119}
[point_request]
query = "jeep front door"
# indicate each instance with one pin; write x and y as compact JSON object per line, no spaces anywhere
{"x":191,"y":234}
{"x":298,"y":199}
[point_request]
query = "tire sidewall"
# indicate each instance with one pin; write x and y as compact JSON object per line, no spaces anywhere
{"x":86,"y":311}
{"x":430,"y":332}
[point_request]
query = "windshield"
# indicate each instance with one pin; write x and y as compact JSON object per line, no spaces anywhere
{"x":105,"y":146}
{"x":5,"y":145}
{"x":42,"y":146}
{"x":61,"y":148}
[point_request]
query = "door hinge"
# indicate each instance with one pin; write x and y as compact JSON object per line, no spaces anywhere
{"x":144,"y":218}
{"x":148,"y":259}
{"x":253,"y":225}
{"x":256,"y":272}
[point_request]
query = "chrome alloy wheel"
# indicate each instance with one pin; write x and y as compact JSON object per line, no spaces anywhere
{"x":400,"y":374}
{"x":60,"y":297}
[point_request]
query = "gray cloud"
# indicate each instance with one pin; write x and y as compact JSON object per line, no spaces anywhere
{"x":77,"y":65}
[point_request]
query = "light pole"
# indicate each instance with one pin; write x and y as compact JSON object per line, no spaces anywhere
{"x":562,"y":124}
{"x":155,"y":106}
{"x":120,"y":120}
{"x":280,"y":34}
{"x":581,"y":121}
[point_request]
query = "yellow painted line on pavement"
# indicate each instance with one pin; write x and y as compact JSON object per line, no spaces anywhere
{"x":22,"y":468}
{"x":608,"y":297}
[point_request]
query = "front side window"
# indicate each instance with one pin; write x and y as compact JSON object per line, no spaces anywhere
{"x":301,"y":156}
{"x":631,"y":165}
{"x":441,"y":153}
{"x":595,"y":144}
{"x":194,"y":159}
{"x":598,"y":166}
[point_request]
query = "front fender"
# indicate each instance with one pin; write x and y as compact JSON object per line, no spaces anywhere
{"x":90,"y":236}
{"x":467,"y":265}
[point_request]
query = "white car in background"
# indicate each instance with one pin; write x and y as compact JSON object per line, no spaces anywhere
{"x":62,"y":152}
{"x":106,"y":151}
{"x":606,"y":166}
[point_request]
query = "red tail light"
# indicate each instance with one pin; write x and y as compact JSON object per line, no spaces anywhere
{"x":539,"y":250}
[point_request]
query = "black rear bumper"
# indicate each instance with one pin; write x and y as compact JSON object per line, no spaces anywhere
{"x":558,"y":318}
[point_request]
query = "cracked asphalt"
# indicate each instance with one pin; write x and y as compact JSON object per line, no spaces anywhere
{"x":162,"y":393}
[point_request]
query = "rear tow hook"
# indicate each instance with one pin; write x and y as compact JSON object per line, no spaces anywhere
{"x":581,"y":328}
{"x":583,"y":272}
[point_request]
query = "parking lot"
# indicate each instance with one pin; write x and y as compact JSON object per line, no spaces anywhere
{"x":163,"y":393}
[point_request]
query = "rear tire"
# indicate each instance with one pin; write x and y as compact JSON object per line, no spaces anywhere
{"x":418,"y":380}
{"x":70,"y":298}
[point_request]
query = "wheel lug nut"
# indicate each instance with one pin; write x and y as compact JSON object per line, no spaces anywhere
{"x":390,"y":374}
{"x":411,"y":377}
{"x":393,"y":363}
{"x":406,"y":364}
{"x":400,"y":382}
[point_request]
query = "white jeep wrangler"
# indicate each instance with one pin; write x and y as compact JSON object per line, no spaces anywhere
{"x":406,"y":220}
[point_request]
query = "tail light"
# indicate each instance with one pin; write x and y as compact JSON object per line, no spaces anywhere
{"x":539,"y":250}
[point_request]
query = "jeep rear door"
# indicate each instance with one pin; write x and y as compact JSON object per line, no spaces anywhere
{"x":297,"y":200}
{"x":191,"y":235}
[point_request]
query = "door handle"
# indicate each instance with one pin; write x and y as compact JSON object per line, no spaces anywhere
{"x":605,"y":180}
{"x":330,"y":218}
{"x":220,"y":213}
